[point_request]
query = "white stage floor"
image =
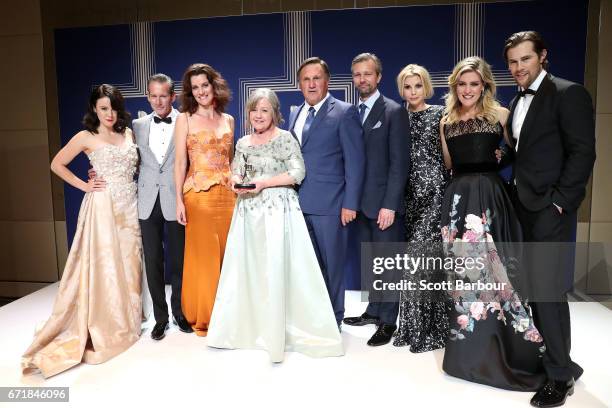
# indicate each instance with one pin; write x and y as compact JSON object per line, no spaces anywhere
{"x":180,"y":369}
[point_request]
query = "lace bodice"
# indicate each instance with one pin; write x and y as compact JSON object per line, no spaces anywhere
{"x":472,"y":143}
{"x":117,"y":166}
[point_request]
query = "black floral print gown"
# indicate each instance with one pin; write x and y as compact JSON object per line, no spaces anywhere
{"x":493,"y":339}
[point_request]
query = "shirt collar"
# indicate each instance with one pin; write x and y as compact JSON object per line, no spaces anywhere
{"x":173,"y":114}
{"x":318,"y":105}
{"x":371,"y":100}
{"x":536,"y":84}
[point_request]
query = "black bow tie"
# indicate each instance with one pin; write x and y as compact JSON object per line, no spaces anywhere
{"x":167,"y":119}
{"x":527,"y":91}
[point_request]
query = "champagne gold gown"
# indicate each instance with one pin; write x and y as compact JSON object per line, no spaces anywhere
{"x":97,"y":311}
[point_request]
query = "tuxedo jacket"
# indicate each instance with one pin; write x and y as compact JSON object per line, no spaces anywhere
{"x":154,"y":178}
{"x":556,"y":146}
{"x":386,"y":133}
{"x":334,"y":156}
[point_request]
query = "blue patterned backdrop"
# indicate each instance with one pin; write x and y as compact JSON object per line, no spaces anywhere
{"x":265,"y":50}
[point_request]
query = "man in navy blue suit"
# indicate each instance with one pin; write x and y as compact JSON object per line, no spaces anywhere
{"x":331,"y":137}
{"x":387,"y":141}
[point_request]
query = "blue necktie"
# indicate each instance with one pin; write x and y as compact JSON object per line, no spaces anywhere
{"x":309,"y":120}
{"x":362,"y":109}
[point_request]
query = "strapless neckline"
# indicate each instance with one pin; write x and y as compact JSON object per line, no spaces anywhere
{"x":120,"y":147}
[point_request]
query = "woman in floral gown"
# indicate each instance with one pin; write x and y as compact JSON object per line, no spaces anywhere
{"x":493,"y":339}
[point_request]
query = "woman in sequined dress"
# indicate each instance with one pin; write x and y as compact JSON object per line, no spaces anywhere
{"x":493,"y":339}
{"x":97,"y":310}
{"x":204,"y":140}
{"x":271,"y":295}
{"x":423,"y":317}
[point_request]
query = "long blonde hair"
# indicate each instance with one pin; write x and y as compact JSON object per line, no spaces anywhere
{"x":487,"y":104}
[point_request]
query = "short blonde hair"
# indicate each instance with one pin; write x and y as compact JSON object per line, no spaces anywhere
{"x":270,"y":95}
{"x":487,"y":104}
{"x":415,"y":70}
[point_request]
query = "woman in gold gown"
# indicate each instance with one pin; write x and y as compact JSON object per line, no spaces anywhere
{"x":97,"y":311}
{"x":204,"y":140}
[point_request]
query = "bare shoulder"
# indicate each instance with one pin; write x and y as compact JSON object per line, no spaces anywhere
{"x":229,"y":118}
{"x":82,"y":141}
{"x":128,"y":134}
{"x":83,"y":138}
{"x":502,"y":114}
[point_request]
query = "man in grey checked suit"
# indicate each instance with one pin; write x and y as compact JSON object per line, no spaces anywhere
{"x":157,"y":203}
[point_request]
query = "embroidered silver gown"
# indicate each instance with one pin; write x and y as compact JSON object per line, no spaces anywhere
{"x":271,"y":293}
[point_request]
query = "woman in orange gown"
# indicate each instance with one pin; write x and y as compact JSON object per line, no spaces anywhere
{"x":204,"y":139}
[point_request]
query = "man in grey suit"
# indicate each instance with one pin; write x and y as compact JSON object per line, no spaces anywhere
{"x":386,"y":128}
{"x":157,"y":203}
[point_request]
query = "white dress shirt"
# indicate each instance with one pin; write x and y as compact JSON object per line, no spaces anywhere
{"x":160,"y":135}
{"x":301,"y":118}
{"x":369,"y":103}
{"x":522,"y":107}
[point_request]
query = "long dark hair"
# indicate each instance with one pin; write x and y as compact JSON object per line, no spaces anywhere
{"x":91,"y":121}
{"x":221,"y":92}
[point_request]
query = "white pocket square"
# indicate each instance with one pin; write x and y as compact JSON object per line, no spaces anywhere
{"x":377,"y":125}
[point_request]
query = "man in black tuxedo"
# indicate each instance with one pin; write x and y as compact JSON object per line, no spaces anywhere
{"x":551,"y":121}
{"x":386,"y":128}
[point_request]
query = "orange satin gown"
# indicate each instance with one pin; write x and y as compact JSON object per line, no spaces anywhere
{"x":209,"y":204}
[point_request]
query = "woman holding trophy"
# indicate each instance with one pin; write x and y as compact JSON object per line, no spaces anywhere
{"x":271,"y":292}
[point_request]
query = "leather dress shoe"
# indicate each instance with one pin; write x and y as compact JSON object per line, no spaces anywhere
{"x":182,"y":324}
{"x":361,"y":320}
{"x":159,"y":331}
{"x":553,"y":394}
{"x":383,"y":335}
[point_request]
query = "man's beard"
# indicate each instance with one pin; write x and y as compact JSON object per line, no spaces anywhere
{"x":367,"y":92}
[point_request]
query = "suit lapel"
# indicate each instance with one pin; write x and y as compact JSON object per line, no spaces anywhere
{"x":377,"y":110}
{"x":534,"y":108}
{"x":327,"y":107}
{"x":293,"y":116}
{"x":146,"y":128}
{"x":511,"y":116}
{"x":142,"y":137}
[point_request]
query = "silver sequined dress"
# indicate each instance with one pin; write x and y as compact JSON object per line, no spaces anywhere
{"x":423,"y":316}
